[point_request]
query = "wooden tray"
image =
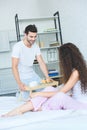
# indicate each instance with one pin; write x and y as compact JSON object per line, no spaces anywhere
{"x":42,"y":85}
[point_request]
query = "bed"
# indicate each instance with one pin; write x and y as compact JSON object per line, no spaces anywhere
{"x":42,"y":120}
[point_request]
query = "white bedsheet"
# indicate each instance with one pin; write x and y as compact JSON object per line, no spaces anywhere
{"x":43,"y":120}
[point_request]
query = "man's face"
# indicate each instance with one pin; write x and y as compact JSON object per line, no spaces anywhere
{"x":31,"y":37}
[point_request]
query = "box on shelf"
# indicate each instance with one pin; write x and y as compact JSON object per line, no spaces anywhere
{"x":54,"y":44}
{"x":53,"y":72}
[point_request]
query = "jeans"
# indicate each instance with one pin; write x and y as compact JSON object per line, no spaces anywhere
{"x":24,"y":95}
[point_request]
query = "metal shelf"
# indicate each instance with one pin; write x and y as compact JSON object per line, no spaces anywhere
{"x":37,"y":19}
{"x":55,"y":18}
{"x":49,"y":32}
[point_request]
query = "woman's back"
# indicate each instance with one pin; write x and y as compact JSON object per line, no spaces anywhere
{"x":77,"y":93}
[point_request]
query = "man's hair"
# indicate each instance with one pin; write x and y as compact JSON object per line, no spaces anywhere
{"x":30,"y":28}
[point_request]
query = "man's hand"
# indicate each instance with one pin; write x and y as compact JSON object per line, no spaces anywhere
{"x":47,"y":80}
{"x":22,"y":86}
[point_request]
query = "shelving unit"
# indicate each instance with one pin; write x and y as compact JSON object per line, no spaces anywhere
{"x":51,"y":25}
{"x":49,"y":38}
{"x":4,"y":39}
{"x":8,"y":84}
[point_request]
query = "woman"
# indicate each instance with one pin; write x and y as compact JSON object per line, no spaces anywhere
{"x":74,"y":70}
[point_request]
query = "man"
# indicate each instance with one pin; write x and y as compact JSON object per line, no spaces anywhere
{"x":23,"y":55}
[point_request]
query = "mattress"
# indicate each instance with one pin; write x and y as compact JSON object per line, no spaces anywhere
{"x":42,"y":120}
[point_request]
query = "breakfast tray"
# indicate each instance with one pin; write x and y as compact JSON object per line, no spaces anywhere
{"x":41,"y":85}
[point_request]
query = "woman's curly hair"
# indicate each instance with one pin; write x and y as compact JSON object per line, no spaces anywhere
{"x":71,"y":58}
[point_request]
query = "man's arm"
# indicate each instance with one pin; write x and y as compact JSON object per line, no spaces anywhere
{"x":15,"y":62}
{"x":43,"y":67}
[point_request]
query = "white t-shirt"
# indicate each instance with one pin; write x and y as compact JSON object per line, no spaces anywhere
{"x":77,"y":93}
{"x":26,"y":58}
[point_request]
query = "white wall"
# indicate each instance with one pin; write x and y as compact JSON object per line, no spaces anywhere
{"x":8,"y":9}
{"x":73,"y":16}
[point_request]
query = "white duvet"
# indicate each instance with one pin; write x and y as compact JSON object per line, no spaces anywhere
{"x":43,"y":120}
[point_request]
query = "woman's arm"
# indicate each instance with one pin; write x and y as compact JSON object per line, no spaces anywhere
{"x":67,"y":87}
{"x":43,"y":94}
{"x":71,"y":82}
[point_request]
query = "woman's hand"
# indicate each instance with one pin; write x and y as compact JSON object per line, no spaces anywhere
{"x":34,"y":94}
